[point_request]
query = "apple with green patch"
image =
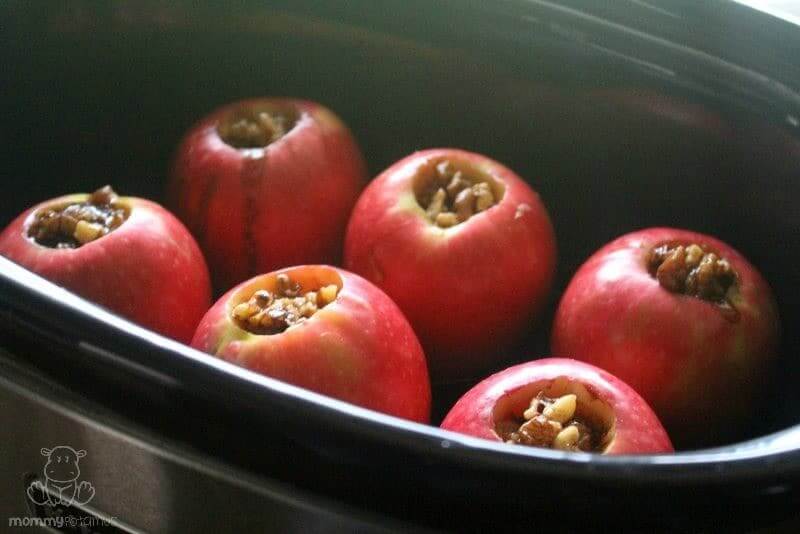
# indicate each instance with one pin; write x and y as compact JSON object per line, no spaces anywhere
{"x":324,"y":329}
{"x":125,"y":253}
{"x":560,"y":404}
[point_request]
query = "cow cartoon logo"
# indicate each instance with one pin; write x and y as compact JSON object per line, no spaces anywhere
{"x":61,"y":473}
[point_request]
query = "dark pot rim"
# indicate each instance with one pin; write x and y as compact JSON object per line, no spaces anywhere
{"x":107,"y":340}
{"x":155,"y":358}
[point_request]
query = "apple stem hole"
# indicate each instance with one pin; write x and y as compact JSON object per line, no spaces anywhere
{"x":73,"y":225}
{"x":269,"y":313}
{"x":255,"y":128}
{"x":695,"y":271}
{"x":552,"y":423}
{"x":451,"y":196}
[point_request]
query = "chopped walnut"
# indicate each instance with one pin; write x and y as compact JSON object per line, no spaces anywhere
{"x":551,"y":423}
{"x":103,"y":196}
{"x":694,"y":270}
{"x":452,"y":197}
{"x":254,"y":129}
{"x":76,"y":224}
{"x":538,"y":432}
{"x":267,"y":313}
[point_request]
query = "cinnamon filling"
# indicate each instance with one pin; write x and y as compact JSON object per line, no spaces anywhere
{"x":553,"y":423}
{"x":451,"y":195}
{"x":73,"y":225}
{"x":268,"y":313}
{"x":256,"y":128}
{"x":695,"y":271}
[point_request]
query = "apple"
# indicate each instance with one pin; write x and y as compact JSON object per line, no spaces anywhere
{"x":561,"y":404}
{"x":266,"y":183}
{"x":127,"y":254}
{"x":324,"y":329}
{"x":466,"y":249}
{"x":684,"y":319}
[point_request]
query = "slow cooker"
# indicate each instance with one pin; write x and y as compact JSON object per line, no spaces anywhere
{"x":622,"y":115}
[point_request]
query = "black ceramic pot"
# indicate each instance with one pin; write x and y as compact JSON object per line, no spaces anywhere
{"x":622,"y":116}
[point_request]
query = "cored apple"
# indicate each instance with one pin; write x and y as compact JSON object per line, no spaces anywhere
{"x":267,"y":183}
{"x":466,"y":249}
{"x":326,"y":330}
{"x":127,"y":254}
{"x":684,"y":319}
{"x":561,"y":404}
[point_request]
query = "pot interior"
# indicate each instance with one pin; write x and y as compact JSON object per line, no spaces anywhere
{"x":612,"y":145}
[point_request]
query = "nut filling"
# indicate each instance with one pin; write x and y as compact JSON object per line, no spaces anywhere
{"x":693,"y":270}
{"x":76,"y":224}
{"x":451,"y":197}
{"x":249,"y":128}
{"x":272,"y":313}
{"x":553,"y":423}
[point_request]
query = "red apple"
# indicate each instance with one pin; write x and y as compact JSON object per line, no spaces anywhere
{"x":323,"y":329}
{"x":683,"y":318}
{"x":267,"y":183}
{"x":562,"y":404}
{"x":464,"y":246}
{"x":127,"y":254}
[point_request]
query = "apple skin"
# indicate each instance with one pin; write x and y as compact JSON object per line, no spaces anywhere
{"x":149,"y":269}
{"x":256,"y":210}
{"x":638,"y":430}
{"x":359,"y":348}
{"x":699,"y":371}
{"x":471,"y":290}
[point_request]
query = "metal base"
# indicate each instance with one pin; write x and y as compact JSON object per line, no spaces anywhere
{"x":141,"y":482}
